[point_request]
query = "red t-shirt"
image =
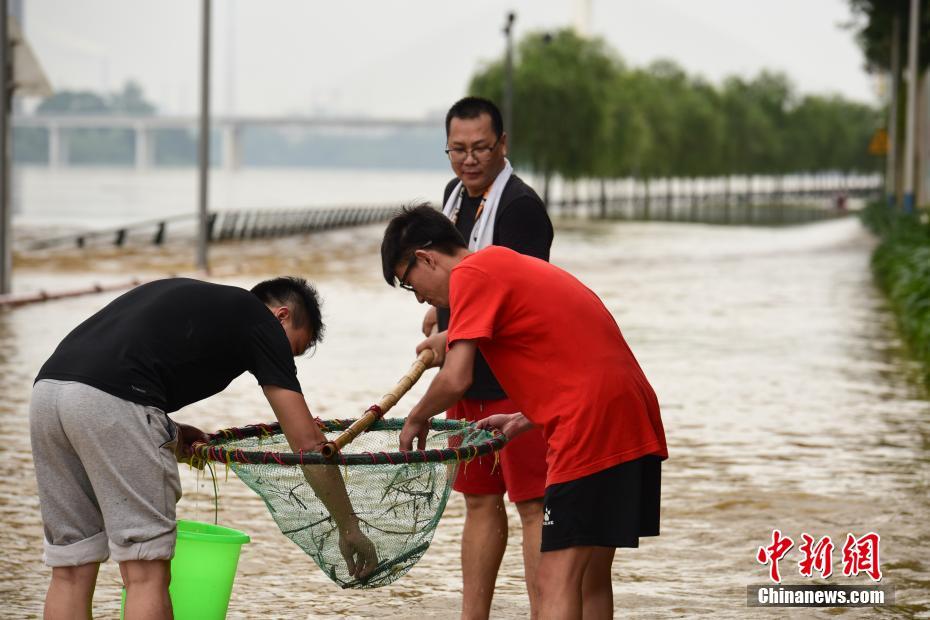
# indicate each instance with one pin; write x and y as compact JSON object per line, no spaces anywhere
{"x":560,"y":356}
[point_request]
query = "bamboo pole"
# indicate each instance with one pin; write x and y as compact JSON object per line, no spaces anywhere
{"x":375,"y":412}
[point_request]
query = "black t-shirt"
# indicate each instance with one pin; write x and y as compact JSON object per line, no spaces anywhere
{"x":173,"y":342}
{"x":521,"y":224}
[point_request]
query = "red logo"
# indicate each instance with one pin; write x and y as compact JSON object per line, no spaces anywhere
{"x":774,"y":552}
{"x":817,"y":557}
{"x":860,"y":555}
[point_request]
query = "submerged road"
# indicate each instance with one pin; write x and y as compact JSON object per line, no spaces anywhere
{"x":787,"y":401}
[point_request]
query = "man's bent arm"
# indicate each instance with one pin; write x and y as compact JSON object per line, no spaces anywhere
{"x":447,"y":388}
{"x":436,"y":342}
{"x":430,"y":321}
{"x":302,"y":433}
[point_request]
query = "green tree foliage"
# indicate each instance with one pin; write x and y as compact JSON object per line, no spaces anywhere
{"x":681,"y":117}
{"x":628,"y":138}
{"x":556,"y":73}
{"x":73,"y":102}
{"x":873,"y":27}
{"x":130,"y":100}
{"x":828,"y":129}
{"x":756,"y":117}
{"x":579,"y":111}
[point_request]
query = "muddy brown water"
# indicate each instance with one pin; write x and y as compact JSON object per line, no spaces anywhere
{"x":787,"y":398}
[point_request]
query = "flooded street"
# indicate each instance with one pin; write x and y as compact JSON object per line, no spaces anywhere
{"x":787,"y":400}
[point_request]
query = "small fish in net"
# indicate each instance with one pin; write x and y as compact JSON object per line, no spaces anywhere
{"x":398,"y":497}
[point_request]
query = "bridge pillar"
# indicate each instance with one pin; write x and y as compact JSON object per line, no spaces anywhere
{"x":57,"y":146}
{"x":232,"y":155}
{"x":143,"y":142}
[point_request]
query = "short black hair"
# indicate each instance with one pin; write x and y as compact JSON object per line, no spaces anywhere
{"x":298,"y":295}
{"x":473,"y":107}
{"x":413,"y":228}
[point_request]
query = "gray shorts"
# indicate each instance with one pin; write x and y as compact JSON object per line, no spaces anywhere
{"x":107,"y":475}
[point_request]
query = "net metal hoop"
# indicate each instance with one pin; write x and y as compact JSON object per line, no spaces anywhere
{"x":213,"y":450}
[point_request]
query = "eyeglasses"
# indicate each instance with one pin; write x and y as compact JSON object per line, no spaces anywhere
{"x":458,"y":154}
{"x":410,"y":263}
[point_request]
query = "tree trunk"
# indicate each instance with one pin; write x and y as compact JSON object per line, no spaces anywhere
{"x":646,"y":201}
{"x":922,"y":163}
{"x":603,"y":199}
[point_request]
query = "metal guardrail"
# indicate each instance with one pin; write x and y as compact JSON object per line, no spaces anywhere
{"x":259,"y":224}
{"x":766,"y":207}
{"x":228,"y":225}
{"x":759,"y":207}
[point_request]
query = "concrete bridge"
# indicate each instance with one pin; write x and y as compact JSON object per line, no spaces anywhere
{"x":229,"y":128}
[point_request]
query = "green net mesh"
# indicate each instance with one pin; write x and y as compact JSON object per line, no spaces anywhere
{"x":398,"y":497}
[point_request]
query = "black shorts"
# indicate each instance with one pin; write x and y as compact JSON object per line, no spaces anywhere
{"x":609,"y":508}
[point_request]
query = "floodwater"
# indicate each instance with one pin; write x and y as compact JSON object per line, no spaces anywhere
{"x":787,"y":399}
{"x":64,"y":198}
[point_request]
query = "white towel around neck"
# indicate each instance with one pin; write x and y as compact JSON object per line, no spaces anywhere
{"x":483,"y":231}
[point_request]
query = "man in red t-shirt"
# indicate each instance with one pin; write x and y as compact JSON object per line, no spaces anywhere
{"x":560,"y":356}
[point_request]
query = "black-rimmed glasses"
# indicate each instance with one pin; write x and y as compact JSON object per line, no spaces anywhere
{"x":459,"y":154}
{"x":410,"y":263}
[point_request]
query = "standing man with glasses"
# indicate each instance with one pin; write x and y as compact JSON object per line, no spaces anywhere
{"x":490,"y":205}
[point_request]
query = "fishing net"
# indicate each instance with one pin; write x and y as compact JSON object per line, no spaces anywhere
{"x":398,"y":497}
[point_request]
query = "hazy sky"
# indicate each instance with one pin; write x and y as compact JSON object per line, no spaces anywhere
{"x":407,"y":58}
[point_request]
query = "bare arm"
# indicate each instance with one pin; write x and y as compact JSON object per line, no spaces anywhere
{"x":429,"y":321}
{"x":448,"y":387}
{"x":436,"y":342}
{"x":302,"y":433}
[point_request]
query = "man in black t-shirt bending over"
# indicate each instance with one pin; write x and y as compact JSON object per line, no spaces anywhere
{"x":105,"y":449}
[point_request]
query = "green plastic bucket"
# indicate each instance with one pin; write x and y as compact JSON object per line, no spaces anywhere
{"x":203,"y":570}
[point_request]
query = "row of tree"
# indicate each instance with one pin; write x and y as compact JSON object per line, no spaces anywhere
{"x":882,"y":29}
{"x":130,"y":101}
{"x":580,"y":111}
{"x":101,"y":146}
{"x":874,"y":25}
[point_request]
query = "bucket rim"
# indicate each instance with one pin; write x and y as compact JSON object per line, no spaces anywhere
{"x":217,"y":533}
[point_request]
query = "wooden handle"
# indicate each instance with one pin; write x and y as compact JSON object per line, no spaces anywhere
{"x":387,"y":401}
